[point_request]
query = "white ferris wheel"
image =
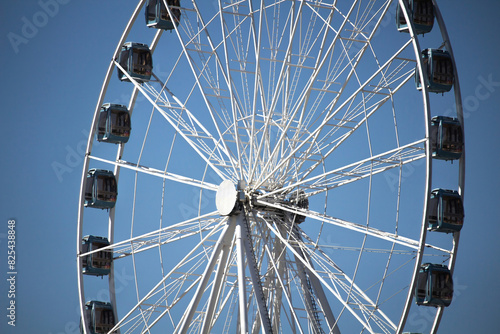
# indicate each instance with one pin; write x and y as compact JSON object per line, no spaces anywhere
{"x":278,"y":166}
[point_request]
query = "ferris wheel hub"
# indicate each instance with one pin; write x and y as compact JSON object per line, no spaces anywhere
{"x":226,"y":198}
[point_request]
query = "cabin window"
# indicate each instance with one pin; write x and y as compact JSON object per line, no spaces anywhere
{"x":101,"y":189}
{"x":151,"y":11}
{"x":443,"y":70}
{"x":175,"y":11}
{"x":442,"y":285}
{"x":141,"y":62}
{"x":164,"y":12}
{"x":451,"y":138}
{"x":120,"y":123}
{"x":452,"y":210}
{"x":136,"y":60}
{"x":97,"y":263}
{"x":422,"y":285}
{"x":101,"y":259}
{"x":124,"y":56}
{"x":158,"y":16}
{"x":434,"y":285}
{"x":113,"y":124}
{"x":104,"y":320}
{"x":433,"y":208}
{"x":446,"y":211}
{"x":401,"y":16}
{"x":423,"y":12}
{"x":106,"y":188}
{"x":88,"y":188}
{"x":101,"y":127}
{"x":447,"y":138}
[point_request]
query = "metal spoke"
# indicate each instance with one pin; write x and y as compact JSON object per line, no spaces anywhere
{"x":360,"y":228}
{"x":359,"y":170}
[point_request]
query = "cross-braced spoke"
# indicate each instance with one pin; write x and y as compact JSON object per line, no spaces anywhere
{"x":357,"y":227}
{"x":356,"y":171}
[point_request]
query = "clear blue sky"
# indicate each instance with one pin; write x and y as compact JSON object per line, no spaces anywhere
{"x":50,"y":81}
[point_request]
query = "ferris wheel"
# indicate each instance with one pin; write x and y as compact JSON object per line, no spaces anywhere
{"x":273,"y":166}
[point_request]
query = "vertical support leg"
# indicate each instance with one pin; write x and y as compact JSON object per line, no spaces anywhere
{"x":325,"y":306}
{"x":308,"y":297}
{"x":237,"y":220}
{"x":310,"y":283}
{"x":188,"y":316}
{"x":218,"y":280}
{"x":260,"y":299}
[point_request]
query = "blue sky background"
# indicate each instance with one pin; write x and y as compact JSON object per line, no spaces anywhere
{"x":50,"y":84}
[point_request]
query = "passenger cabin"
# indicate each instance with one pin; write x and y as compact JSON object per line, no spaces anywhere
{"x":446,"y":211}
{"x":446,"y":138}
{"x":100,"y":317}
{"x":421,"y":12}
{"x":157,"y":15}
{"x":98,"y":263}
{"x":298,"y":199}
{"x":137,"y":61}
{"x":438,"y":69}
{"x":114,"y":124}
{"x":100,"y":189}
{"x":434,"y":285}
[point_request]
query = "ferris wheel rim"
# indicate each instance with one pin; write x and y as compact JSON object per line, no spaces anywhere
{"x":89,"y":146}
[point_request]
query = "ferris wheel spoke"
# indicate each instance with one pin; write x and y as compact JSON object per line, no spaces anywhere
{"x":196,"y":129}
{"x":269,"y":110}
{"x":340,"y":283}
{"x":159,"y":173}
{"x":360,"y":228}
{"x":221,"y":245}
{"x":171,"y":294}
{"x":295,"y":113}
{"x":190,"y":263}
{"x":318,"y":68}
{"x":192,"y":49}
{"x":314,"y":254}
{"x":238,"y":105}
{"x":277,"y":117}
{"x":354,"y":105}
{"x":359,"y":170}
{"x":300,"y":106}
{"x":258,"y":86}
{"x":337,"y":131}
{"x":172,"y":233}
{"x":177,"y":114}
{"x":290,"y":118}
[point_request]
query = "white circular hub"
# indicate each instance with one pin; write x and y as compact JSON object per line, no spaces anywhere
{"x":225,"y":199}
